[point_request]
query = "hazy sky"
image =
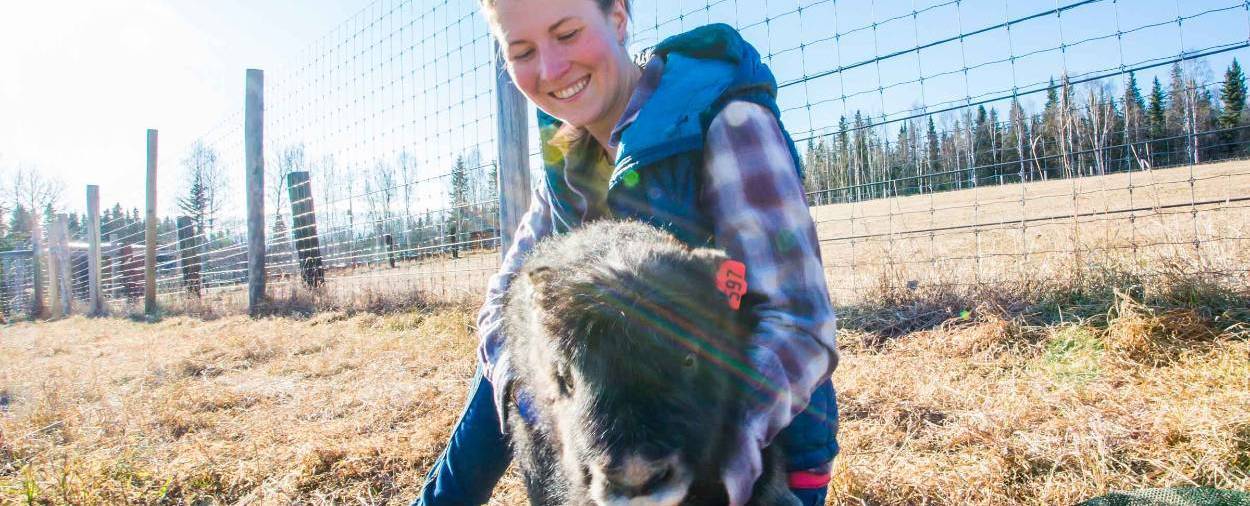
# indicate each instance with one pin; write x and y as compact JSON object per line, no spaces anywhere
{"x":81,"y":81}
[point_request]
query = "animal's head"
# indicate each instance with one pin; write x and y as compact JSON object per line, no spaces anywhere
{"x":642,"y":350}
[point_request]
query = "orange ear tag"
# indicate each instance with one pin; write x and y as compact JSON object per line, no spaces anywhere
{"x":731,"y":280}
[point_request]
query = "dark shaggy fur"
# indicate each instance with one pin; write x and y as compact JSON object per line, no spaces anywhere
{"x":629,"y":358}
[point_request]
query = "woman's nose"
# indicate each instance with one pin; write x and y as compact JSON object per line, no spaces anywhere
{"x":554,"y":64}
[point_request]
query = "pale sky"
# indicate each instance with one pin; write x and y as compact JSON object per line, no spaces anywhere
{"x":82,"y":80}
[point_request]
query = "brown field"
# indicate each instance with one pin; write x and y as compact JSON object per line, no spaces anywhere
{"x":1122,"y":389}
{"x":352,"y":409}
{"x":1005,"y":233}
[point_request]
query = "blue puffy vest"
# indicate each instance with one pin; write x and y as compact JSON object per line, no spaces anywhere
{"x":657,"y":173}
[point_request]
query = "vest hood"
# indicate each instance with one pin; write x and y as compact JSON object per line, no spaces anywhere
{"x":703,"y":70}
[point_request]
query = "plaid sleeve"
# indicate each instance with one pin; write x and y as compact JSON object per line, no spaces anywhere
{"x":753,"y":193}
{"x":535,"y":225}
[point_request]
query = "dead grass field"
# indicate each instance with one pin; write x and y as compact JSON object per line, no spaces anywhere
{"x":333,"y":409}
{"x":968,"y":376}
{"x":1039,"y":230}
{"x":353,"y":409}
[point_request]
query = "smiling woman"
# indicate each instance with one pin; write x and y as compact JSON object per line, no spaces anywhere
{"x":691,"y":143}
{"x":569,"y":58}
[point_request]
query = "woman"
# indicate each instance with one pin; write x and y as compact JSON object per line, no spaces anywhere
{"x":691,"y":142}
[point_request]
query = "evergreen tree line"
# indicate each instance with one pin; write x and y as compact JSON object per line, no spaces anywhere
{"x":116,"y":224}
{"x":1086,"y":130}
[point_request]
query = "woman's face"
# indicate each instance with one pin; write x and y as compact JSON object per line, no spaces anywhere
{"x":568,"y":57}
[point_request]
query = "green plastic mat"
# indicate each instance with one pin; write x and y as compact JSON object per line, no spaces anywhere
{"x":1189,"y":496}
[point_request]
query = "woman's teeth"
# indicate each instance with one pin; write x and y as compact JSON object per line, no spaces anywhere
{"x":572,"y":90}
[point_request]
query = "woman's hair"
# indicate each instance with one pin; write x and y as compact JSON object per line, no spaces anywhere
{"x":605,"y":5}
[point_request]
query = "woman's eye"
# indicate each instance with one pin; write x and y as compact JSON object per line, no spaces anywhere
{"x":565,"y":37}
{"x":523,"y":55}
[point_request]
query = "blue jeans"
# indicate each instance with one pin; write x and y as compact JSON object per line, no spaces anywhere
{"x":477,"y":454}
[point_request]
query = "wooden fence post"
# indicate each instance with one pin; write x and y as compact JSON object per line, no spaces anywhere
{"x":513,"y":157}
{"x":57,"y":307}
{"x":64,"y":268}
{"x":149,"y":242}
{"x":254,"y":154}
{"x":95,"y":303}
{"x":389,"y":240}
{"x":5,"y":298}
{"x":304,"y":229}
{"x":115,"y":267}
{"x":189,"y":255}
{"x":36,"y":256}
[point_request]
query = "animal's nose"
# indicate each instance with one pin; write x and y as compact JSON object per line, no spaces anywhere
{"x":640,"y":477}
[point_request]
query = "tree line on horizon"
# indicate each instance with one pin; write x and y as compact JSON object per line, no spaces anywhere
{"x":1087,"y":130}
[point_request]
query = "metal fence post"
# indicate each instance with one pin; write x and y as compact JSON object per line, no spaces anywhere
{"x":513,"y":144}
{"x":149,"y":241}
{"x":254,"y":154}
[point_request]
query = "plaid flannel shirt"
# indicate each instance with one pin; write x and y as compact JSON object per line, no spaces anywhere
{"x":755,"y":198}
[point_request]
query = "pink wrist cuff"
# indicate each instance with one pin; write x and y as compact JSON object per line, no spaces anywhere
{"x":804,"y":479}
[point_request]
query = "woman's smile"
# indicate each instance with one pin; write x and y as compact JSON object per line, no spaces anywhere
{"x":576,"y":88}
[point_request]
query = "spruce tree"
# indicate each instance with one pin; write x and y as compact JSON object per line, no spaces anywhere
{"x":1155,"y":112}
{"x":935,"y":155}
{"x":1233,"y":96}
{"x":458,"y":199}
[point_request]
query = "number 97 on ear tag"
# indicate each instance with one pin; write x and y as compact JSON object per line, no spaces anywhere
{"x":731,"y":280}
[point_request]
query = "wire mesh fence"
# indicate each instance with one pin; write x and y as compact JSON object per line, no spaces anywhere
{"x":946,"y":143}
{"x":954,"y":144}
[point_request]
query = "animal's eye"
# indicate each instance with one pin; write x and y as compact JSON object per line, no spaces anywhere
{"x":689,"y":362}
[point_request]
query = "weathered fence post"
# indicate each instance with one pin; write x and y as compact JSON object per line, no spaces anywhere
{"x":37,"y":252}
{"x":115,"y":267}
{"x":149,"y":241}
{"x":64,"y":268}
{"x":254,"y":154}
{"x":132,"y":273}
{"x":513,"y":157}
{"x":390,"y":249}
{"x":189,"y":255}
{"x":304,"y":229}
{"x":5,"y":298}
{"x":95,"y":303}
{"x":57,"y":307}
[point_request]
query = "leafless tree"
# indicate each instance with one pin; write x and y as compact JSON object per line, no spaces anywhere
{"x":380,"y":190}
{"x":407,"y":165}
{"x":34,"y":191}
{"x":205,"y":189}
{"x":291,"y":159}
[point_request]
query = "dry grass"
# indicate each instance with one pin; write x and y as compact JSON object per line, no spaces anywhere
{"x":329,"y":409}
{"x":989,"y":407}
{"x":1077,"y":361}
{"x":1042,"y":230}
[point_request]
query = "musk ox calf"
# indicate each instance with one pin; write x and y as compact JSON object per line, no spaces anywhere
{"x":628,"y":351}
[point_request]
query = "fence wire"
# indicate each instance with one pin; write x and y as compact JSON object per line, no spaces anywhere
{"x":946,"y":144}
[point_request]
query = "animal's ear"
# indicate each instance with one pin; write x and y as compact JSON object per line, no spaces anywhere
{"x":728,"y":276}
{"x":710,"y":258}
